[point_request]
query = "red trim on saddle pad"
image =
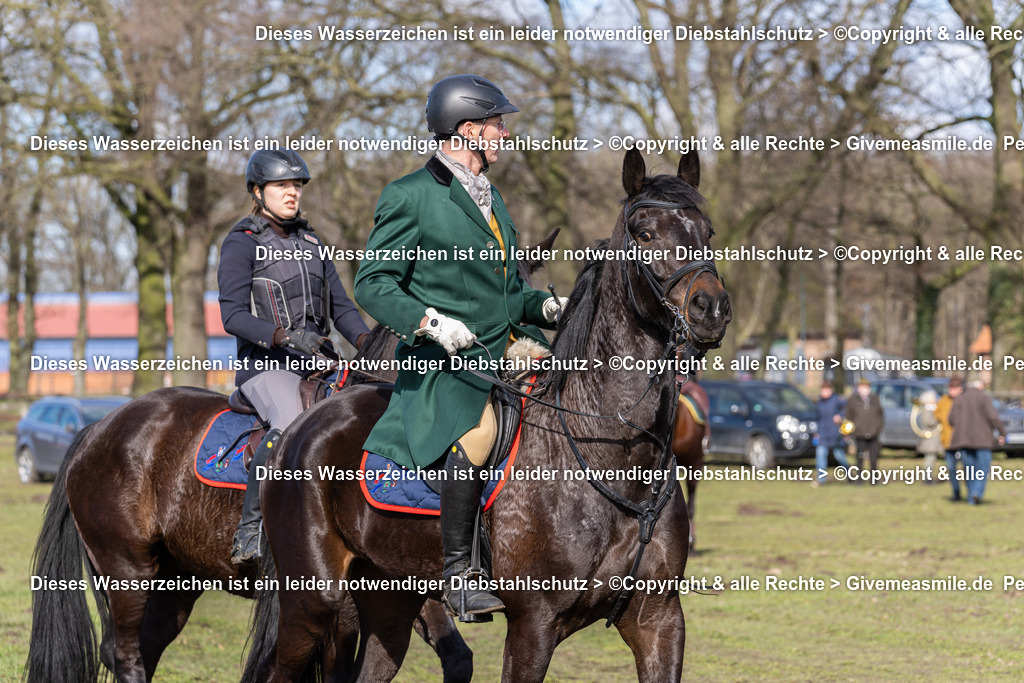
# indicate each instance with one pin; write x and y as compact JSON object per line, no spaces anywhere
{"x":437,"y":513}
{"x":195,"y":458}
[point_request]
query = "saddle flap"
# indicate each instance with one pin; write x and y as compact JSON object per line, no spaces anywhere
{"x":508,"y":408}
{"x":240,"y":404}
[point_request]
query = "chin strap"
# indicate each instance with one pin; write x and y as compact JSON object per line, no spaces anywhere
{"x":476,"y":147}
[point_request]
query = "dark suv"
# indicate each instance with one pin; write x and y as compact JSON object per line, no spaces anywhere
{"x":761,"y":421}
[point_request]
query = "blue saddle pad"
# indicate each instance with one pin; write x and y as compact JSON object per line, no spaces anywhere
{"x":389,"y":486}
{"x":218,"y":460}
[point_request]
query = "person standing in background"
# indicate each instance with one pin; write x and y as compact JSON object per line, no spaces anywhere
{"x":942,"y":408}
{"x":865,"y":412}
{"x":928,"y":430}
{"x":974,"y":419}
{"x":830,"y":410}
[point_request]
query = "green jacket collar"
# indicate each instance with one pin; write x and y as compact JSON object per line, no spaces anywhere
{"x":444,"y":176}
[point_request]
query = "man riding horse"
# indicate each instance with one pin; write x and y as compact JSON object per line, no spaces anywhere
{"x":475,"y":304}
{"x":278,"y":294}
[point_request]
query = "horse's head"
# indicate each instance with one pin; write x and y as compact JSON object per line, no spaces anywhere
{"x":676,"y":281}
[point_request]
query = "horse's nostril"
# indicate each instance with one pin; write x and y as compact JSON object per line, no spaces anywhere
{"x":699,"y":304}
{"x":725,"y":307}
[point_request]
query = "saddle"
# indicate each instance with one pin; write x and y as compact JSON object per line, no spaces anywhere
{"x":311,"y":391}
{"x":508,"y":409}
{"x":385,"y":487}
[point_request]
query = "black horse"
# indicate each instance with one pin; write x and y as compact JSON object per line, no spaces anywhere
{"x":574,"y":530}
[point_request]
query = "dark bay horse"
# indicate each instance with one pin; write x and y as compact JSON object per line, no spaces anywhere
{"x":568,"y":529}
{"x":127,"y":503}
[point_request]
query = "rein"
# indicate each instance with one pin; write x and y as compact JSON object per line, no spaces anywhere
{"x":680,"y":334}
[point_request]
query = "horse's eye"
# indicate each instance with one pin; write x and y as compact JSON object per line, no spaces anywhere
{"x":645,"y":236}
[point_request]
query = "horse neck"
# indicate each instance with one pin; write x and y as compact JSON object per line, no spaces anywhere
{"x":616,"y":332}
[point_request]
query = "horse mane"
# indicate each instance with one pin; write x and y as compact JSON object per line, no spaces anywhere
{"x":378,"y":345}
{"x":577,"y":319}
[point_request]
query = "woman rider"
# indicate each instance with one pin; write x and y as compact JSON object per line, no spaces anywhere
{"x":279,"y":293}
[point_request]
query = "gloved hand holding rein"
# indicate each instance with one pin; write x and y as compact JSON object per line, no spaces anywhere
{"x":450,"y":333}
{"x":303,"y":341}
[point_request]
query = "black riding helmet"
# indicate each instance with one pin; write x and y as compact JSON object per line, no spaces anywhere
{"x":463,"y":98}
{"x":269,"y":165}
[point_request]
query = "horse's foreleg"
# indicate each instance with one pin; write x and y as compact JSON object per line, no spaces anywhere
{"x":437,"y":628}
{"x":529,"y":645}
{"x":385,"y":627}
{"x":654,"y":628}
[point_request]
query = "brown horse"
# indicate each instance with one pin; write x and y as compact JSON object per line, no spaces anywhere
{"x":126,"y":501}
{"x":609,"y":420}
{"x":690,"y":442}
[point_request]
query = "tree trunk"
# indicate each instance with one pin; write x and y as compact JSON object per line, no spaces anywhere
{"x":78,"y":241}
{"x":188,"y":279}
{"x":926,"y":304}
{"x":21,"y":345}
{"x":151,"y":236}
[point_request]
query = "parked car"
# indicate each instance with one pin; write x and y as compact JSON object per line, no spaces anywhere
{"x":45,"y":433}
{"x":760,"y":421}
{"x":898,"y":397}
{"x":1013,"y":419}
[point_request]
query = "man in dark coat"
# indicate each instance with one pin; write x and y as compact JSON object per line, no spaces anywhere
{"x":830,"y":410}
{"x":865,"y":412}
{"x":974,"y":419}
{"x":456,"y":284}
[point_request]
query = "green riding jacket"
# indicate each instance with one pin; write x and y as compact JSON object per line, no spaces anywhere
{"x":430,"y":210}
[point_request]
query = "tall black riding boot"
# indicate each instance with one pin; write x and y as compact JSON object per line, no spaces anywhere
{"x":460,"y":502}
{"x":246,"y":545}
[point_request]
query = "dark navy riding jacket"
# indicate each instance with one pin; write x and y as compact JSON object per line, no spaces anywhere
{"x":255,"y":335}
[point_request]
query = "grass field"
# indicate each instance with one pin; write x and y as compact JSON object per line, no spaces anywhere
{"x":746,"y":529}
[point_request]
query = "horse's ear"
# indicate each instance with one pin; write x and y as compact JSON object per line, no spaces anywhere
{"x":689,"y":168}
{"x":633,"y":172}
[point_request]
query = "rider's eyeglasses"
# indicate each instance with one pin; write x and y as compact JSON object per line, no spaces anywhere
{"x":499,"y":124}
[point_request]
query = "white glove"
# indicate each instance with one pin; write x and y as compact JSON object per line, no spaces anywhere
{"x":450,"y":333}
{"x":553,"y":307}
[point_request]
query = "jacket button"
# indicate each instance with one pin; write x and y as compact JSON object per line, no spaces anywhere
{"x":490,"y":245}
{"x":497,"y":271}
{"x":404,"y":337}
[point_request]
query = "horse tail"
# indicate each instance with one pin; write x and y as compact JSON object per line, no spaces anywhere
{"x":63,"y":644}
{"x":262,"y":638}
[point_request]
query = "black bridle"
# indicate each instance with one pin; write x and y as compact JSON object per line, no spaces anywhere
{"x":680,"y":331}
